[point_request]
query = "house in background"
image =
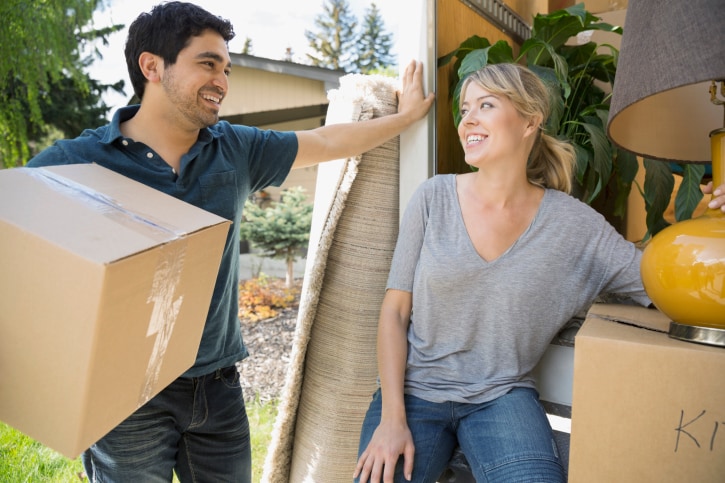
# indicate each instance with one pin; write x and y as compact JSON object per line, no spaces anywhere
{"x":280,"y":95}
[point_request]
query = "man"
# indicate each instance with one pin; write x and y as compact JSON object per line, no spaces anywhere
{"x":178,"y":63}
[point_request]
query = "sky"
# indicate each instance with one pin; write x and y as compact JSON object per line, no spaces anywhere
{"x":272,"y":25}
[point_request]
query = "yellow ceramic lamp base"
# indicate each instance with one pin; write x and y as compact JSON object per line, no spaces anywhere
{"x":683,"y":269}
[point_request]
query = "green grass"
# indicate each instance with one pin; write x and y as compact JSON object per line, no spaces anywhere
{"x":24,"y":460}
{"x":261,"y":422}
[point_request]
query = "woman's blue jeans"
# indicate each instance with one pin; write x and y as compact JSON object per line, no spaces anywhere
{"x":196,"y":426}
{"x":505,"y":440}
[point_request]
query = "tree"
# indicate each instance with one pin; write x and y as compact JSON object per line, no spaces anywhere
{"x":281,"y":229}
{"x":66,"y":111}
{"x":288,"y":54}
{"x":247,"y":49}
{"x":41,"y":66}
{"x":374,"y":44}
{"x":334,"y":42}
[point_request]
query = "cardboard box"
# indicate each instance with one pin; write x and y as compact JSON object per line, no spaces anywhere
{"x":105,"y":286}
{"x":646,"y":408}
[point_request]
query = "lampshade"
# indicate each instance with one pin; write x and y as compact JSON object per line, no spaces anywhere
{"x":661,"y":108}
{"x":670,"y":53}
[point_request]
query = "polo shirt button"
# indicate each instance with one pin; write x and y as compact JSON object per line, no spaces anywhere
{"x":149,"y":155}
{"x":124,"y":142}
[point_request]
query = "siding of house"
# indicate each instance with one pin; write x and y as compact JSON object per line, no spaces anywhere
{"x":255,"y":90}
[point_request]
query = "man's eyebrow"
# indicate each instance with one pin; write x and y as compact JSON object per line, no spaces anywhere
{"x":213,"y":56}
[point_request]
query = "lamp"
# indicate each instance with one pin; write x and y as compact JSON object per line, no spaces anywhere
{"x":662,"y":109}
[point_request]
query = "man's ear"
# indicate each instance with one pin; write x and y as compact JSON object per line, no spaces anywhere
{"x":151,"y":66}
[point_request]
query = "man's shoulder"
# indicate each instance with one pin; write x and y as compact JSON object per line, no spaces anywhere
{"x":71,"y":151}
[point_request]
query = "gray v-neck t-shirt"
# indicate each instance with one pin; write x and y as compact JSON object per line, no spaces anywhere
{"x":479,"y":327}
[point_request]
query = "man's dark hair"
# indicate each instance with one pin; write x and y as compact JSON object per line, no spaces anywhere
{"x":165,"y":31}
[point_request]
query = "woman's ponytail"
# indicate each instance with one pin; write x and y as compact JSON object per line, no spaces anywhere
{"x":551,"y":163}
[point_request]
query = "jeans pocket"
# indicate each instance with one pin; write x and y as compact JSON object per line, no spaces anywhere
{"x":229,"y":377}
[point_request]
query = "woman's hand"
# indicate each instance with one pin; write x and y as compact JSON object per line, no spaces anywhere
{"x":718,"y":200}
{"x":389,"y":441}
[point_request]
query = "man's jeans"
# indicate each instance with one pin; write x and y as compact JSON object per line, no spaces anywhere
{"x":196,"y":426}
{"x":505,"y":440}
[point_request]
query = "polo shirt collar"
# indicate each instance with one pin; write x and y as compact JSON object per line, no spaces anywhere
{"x":125,"y":113}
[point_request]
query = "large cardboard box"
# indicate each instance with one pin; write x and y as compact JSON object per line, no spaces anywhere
{"x":646,"y":408}
{"x":105,"y":285}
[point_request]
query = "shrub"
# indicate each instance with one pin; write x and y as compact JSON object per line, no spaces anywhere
{"x":263,"y":297}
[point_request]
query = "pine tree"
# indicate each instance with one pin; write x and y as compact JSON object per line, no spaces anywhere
{"x":374,"y":44}
{"x":334,"y":42}
{"x":281,"y":229}
{"x":247,"y":49}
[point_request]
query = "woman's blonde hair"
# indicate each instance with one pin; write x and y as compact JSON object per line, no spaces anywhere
{"x":551,"y":161}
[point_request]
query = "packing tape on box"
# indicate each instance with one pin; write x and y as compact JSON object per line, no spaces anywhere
{"x":165,"y":311}
{"x":167,"y":275}
{"x":144,"y":224}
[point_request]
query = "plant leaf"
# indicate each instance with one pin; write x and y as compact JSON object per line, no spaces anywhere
{"x":477,"y":59}
{"x":556,"y":99}
{"x":658,"y":185}
{"x":474,"y":61}
{"x":582,"y":162}
{"x":500,"y":52}
{"x":472,"y":43}
{"x":626,"y":167}
{"x":689,"y":193}
{"x":602,"y":161}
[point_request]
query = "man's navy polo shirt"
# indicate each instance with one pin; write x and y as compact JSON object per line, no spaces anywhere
{"x":227,"y":163}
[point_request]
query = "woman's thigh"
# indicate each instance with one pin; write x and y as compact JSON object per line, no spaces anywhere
{"x":433,"y":436}
{"x":510,"y":439}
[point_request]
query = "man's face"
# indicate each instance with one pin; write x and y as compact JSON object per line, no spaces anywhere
{"x":198,"y":81}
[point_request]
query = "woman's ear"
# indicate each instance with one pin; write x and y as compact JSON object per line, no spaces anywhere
{"x":151,"y":66}
{"x":534,"y":124}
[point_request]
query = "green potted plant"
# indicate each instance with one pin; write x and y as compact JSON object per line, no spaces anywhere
{"x":581,"y":75}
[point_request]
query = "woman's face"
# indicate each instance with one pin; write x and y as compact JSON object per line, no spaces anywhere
{"x":491,"y":129}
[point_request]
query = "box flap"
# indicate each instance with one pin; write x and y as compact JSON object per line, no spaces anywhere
{"x":95,"y":212}
{"x":635,"y":315}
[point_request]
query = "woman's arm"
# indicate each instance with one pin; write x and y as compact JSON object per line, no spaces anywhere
{"x":392,"y":437}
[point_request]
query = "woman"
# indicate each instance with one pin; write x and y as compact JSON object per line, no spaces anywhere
{"x":488,"y":267}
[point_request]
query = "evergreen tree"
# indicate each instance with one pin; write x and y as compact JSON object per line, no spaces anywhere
{"x":247,"y":49}
{"x":334,"y":42}
{"x":374,"y":44}
{"x":281,"y":229}
{"x":67,"y":110}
